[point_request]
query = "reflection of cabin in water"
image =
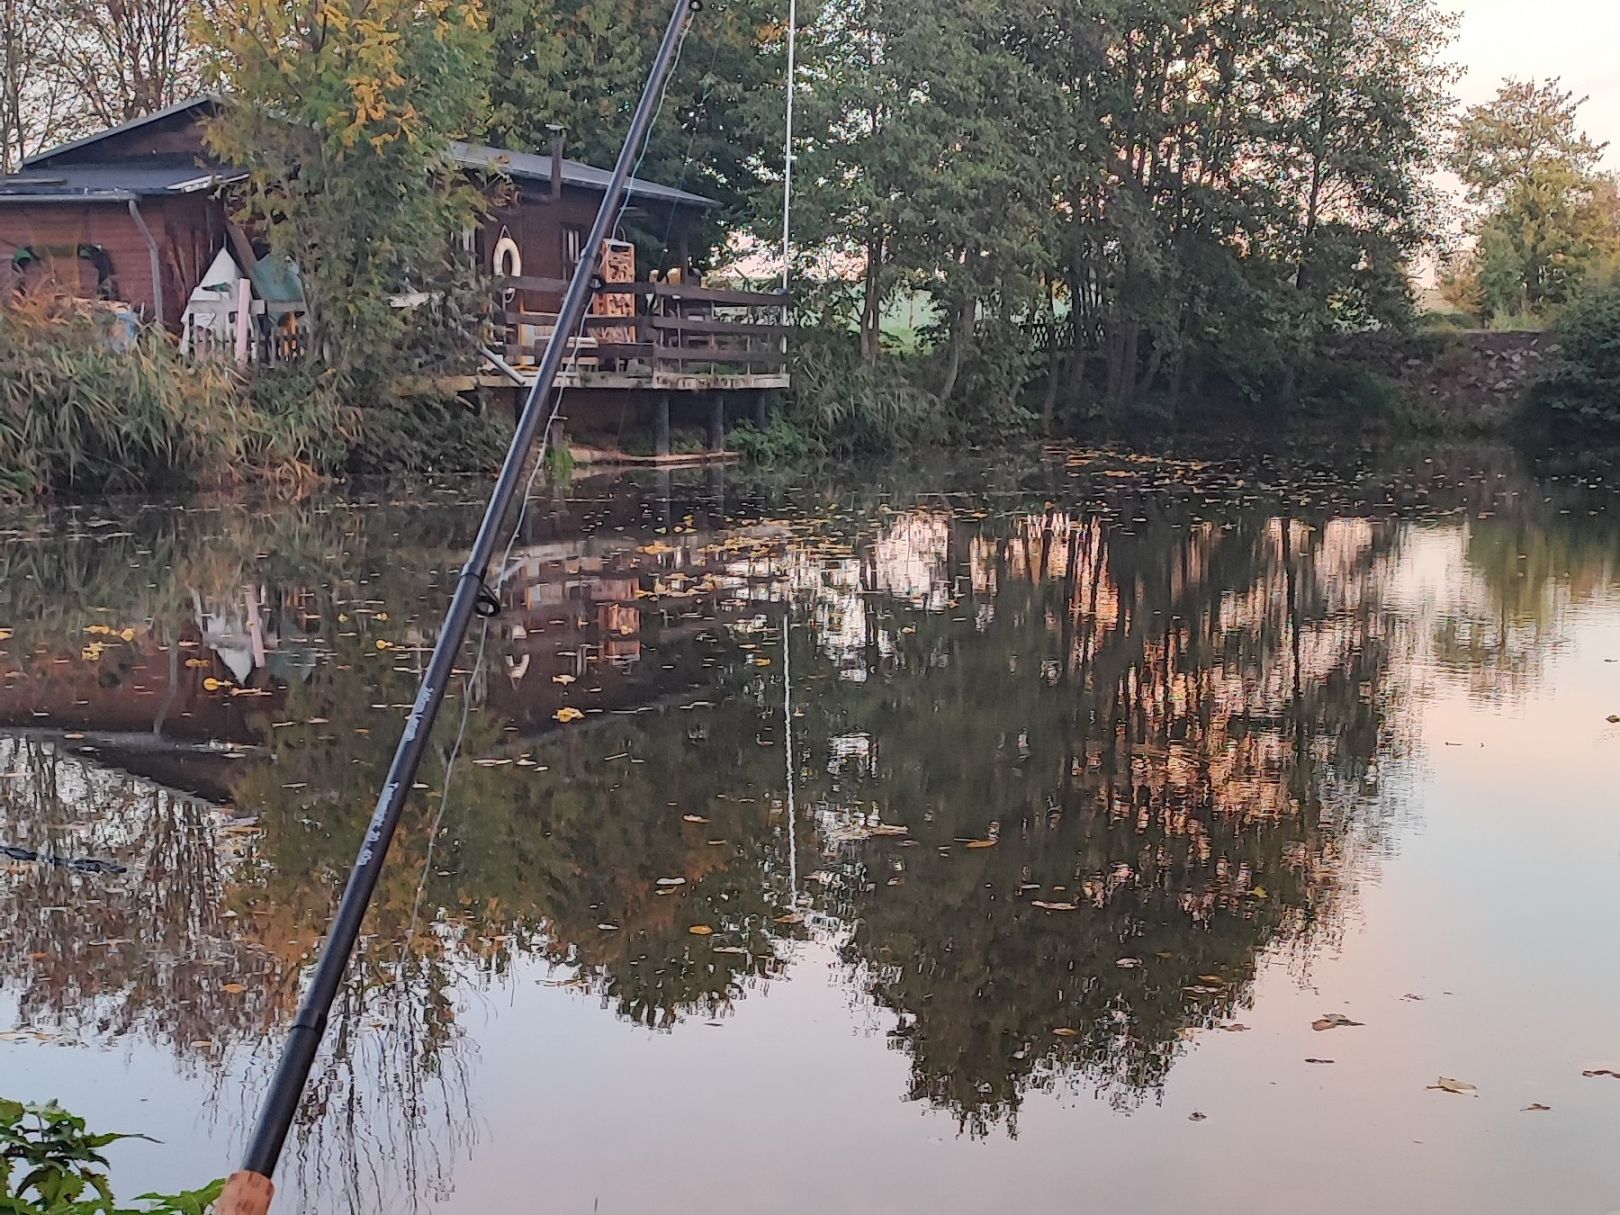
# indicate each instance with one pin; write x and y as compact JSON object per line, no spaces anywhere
{"x":139,"y":215}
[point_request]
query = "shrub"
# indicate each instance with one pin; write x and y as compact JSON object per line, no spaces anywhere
{"x":849,"y":405}
{"x":423,"y":434}
{"x":84,"y":404}
{"x":777,"y":444}
{"x":51,"y":1164}
{"x":1583,"y":390}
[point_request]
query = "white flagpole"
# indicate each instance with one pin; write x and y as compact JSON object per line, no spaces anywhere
{"x":787,"y":160}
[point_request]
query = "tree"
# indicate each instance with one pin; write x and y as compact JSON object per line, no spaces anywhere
{"x":343,"y":111}
{"x":581,"y":65}
{"x":36,"y":107}
{"x":126,"y":58}
{"x":1526,"y":130}
{"x":1546,"y":218}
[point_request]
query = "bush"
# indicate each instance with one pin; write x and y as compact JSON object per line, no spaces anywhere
{"x":848,"y":405}
{"x":51,"y":1164}
{"x":83,"y":403}
{"x":779,"y":443}
{"x":427,"y":434}
{"x":1583,"y":389}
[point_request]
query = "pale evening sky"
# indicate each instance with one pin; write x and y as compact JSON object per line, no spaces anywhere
{"x":1575,"y":39}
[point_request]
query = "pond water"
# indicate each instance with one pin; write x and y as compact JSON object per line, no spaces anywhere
{"x":1012,"y":835}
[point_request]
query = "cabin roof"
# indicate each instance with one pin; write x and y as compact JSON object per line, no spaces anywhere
{"x":73,"y":145}
{"x":526,"y":166}
{"x":126,"y":179}
{"x":111,"y":182}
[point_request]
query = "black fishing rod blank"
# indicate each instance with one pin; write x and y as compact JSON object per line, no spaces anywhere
{"x":248,"y":1192}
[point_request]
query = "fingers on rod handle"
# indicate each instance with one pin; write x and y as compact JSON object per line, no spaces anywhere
{"x":245,"y":1194}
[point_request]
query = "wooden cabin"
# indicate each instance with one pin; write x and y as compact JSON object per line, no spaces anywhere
{"x":140,"y":214}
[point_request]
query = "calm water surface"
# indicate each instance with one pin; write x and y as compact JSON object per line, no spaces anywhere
{"x":971,"y":839}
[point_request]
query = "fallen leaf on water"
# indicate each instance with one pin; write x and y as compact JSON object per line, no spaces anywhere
{"x":981,"y":843}
{"x":1237,"y":1027}
{"x":1411,"y":996}
{"x":1602,"y":1071}
{"x":1129,"y":963}
{"x":1332,"y":1021}
{"x":1195,"y":1116}
{"x":700,"y":930}
{"x":674,"y":881}
{"x":568,"y":714}
{"x":608,"y":927}
{"x":1055,"y":906}
{"x":1066,"y":1032}
{"x":1319,"y":1060}
{"x":1447,"y":1085}
{"x":213,"y":685}
{"x":565,"y":680}
{"x":1535,"y":1107}
{"x":693,"y":818}
{"x":1614,"y":719}
{"x":1210,"y":979}
{"x":738,"y":949}
{"x":234,"y":989}
{"x":792,"y":917}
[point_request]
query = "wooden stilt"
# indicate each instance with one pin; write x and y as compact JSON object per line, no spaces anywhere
{"x":661,"y":425}
{"x":762,"y":409}
{"x":717,"y":422}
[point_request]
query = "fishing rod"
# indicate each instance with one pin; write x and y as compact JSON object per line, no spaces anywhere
{"x":249,"y":1190}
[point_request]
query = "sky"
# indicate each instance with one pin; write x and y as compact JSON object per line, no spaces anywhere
{"x":1575,"y":39}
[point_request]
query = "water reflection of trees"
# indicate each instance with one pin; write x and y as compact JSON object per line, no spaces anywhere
{"x":1162,"y":717}
{"x":1164,"y":729}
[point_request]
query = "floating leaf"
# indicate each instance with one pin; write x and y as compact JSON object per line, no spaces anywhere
{"x":1535,"y":1107}
{"x":565,"y":680}
{"x":212,"y":684}
{"x":1066,"y":1032}
{"x":981,"y":843}
{"x":693,"y":818}
{"x":700,"y":930}
{"x":234,"y":989}
{"x":672,"y":881}
{"x":569,"y":714}
{"x":1332,"y":1021}
{"x":1129,"y":963}
{"x":1055,"y":906}
{"x":1602,"y":1071}
{"x":1461,"y":1087}
{"x":1195,"y":1116}
{"x":1319,"y":1060}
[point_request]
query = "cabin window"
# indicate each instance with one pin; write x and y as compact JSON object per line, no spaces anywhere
{"x":573,"y":245}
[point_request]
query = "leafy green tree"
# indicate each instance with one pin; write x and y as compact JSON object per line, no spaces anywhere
{"x":1547,"y":218}
{"x":581,"y":65}
{"x":344,"y":110}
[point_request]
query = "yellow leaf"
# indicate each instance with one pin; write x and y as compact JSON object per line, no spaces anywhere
{"x":234,"y":989}
{"x":981,"y":843}
{"x":568,"y":714}
{"x":700,"y":930}
{"x":212,"y":684}
{"x":127,"y":635}
{"x":381,"y":644}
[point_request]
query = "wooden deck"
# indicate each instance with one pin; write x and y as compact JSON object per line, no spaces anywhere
{"x":663,"y":337}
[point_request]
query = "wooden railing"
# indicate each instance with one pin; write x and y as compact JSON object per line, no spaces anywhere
{"x":274,"y":332}
{"x":659,"y":328}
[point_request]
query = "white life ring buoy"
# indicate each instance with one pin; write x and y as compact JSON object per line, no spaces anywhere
{"x":507,"y":260}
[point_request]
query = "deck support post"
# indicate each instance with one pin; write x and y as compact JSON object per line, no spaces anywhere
{"x":717,"y":422}
{"x":762,"y":409}
{"x":661,"y":424}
